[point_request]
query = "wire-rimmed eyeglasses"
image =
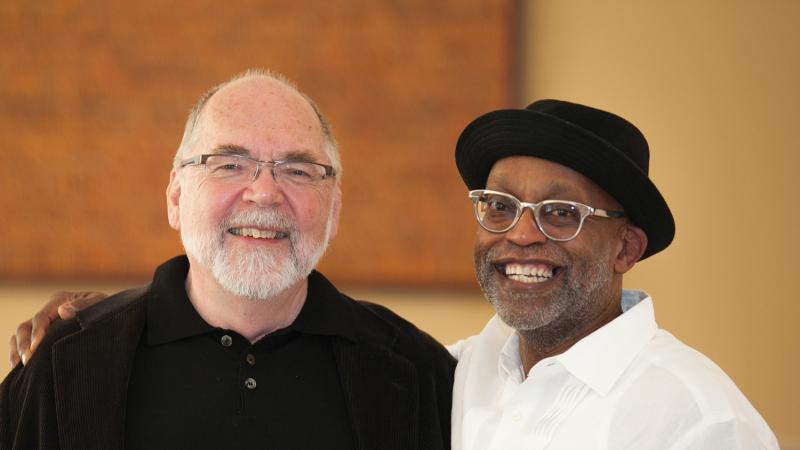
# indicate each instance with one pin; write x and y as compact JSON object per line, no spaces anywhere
{"x":559,"y":220}
{"x":240,"y":168}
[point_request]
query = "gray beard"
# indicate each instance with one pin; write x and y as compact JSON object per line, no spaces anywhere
{"x":257,"y":273}
{"x":585,"y":287}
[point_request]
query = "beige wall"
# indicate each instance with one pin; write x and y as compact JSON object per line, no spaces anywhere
{"x":715,"y":87}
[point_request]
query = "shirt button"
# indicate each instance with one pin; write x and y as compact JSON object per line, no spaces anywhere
{"x":516,"y":417}
{"x":251,"y":359}
{"x":226,"y":341}
{"x":250,"y":383}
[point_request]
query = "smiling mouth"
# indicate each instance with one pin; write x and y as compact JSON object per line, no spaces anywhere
{"x":258,"y":234}
{"x":527,"y":273}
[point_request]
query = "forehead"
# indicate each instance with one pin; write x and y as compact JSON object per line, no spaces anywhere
{"x":264,"y":116}
{"x":535,"y":179}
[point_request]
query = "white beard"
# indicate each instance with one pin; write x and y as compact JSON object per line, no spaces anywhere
{"x":256,"y":273}
{"x":585,"y":287}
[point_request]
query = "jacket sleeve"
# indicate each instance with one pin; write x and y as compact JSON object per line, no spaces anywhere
{"x":435,"y":368}
{"x":6,"y":436}
{"x":27,"y":405}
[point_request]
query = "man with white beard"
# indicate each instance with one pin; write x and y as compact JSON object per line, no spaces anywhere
{"x":240,"y":343}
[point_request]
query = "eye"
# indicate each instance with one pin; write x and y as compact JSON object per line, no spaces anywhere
{"x":301,"y":172}
{"x":295,"y":172}
{"x":560,"y":213}
{"x":497,"y":205}
{"x":222,"y":165}
{"x":228,"y":167}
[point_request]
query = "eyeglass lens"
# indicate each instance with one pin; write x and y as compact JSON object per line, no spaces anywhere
{"x":557,"y":220}
{"x":238,"y":168}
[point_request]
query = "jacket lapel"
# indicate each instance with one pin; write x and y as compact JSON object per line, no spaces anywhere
{"x":91,"y":414}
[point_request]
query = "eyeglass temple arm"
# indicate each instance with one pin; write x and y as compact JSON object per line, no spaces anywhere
{"x":608,"y":214}
{"x":192,"y":161}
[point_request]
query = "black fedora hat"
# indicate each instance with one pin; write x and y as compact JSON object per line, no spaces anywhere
{"x":602,"y":146}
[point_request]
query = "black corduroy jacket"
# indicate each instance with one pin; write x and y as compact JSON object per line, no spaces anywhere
{"x":71,"y":395}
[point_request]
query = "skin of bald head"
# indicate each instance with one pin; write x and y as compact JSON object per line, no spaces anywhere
{"x":583,"y":291}
{"x":193,"y":122}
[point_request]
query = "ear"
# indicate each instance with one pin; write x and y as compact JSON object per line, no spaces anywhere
{"x":173,"y":200}
{"x":634,"y":243}
{"x":337,"y":207}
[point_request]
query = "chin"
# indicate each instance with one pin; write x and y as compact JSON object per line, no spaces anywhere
{"x":525,"y":314}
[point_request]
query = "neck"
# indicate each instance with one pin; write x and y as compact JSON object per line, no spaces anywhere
{"x":252,"y":318}
{"x":556,"y":338}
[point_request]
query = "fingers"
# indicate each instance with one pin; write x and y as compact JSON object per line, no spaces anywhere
{"x":30,"y":333}
{"x":42,"y":320}
{"x":13,"y":355}
{"x":63,"y":305}
{"x":78,"y":301}
{"x":22,"y":341}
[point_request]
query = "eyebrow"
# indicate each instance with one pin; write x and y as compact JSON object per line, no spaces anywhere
{"x":292,"y":155}
{"x":299,"y":156}
{"x":557,"y":188}
{"x":553,"y":190}
{"x":232,"y":149}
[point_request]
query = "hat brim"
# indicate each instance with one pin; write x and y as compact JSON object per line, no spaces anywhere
{"x":512,"y":132}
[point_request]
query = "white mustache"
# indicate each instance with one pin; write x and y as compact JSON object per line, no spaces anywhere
{"x":259,"y":219}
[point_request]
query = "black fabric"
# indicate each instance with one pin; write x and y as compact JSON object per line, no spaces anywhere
{"x":602,"y":146}
{"x":396,"y":381}
{"x":196,"y":386}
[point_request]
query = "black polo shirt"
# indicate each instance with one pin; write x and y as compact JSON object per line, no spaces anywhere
{"x":194,"y":386}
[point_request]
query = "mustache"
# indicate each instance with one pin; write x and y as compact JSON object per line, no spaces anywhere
{"x":509,"y":249}
{"x":272,"y":219}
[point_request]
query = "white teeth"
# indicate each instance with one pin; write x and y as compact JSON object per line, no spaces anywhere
{"x":528,"y":273}
{"x":256,"y":233}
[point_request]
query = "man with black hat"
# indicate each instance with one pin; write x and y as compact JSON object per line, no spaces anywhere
{"x":571,"y":360}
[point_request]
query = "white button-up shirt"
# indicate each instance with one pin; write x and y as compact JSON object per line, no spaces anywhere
{"x":628,"y":385}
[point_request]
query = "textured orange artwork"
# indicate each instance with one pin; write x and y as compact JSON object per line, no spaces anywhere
{"x":93,"y":97}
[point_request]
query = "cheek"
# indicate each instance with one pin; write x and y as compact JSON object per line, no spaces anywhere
{"x":594,"y":248}
{"x":485,"y":240}
{"x":312,"y":211}
{"x":208,"y":206}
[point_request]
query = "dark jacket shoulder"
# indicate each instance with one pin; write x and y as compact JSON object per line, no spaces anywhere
{"x":397,"y":376}
{"x":410,"y":340}
{"x":379,"y":325}
{"x":28,"y":413}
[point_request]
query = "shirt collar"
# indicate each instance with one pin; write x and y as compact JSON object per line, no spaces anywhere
{"x":171,"y":316}
{"x":599,"y":359}
{"x":325,"y":311}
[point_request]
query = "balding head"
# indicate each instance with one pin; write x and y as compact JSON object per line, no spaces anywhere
{"x":272,"y":81}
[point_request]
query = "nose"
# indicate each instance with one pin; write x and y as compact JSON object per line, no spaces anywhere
{"x":525,"y":232}
{"x":262,"y":189}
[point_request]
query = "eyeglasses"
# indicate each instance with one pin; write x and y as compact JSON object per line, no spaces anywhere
{"x":239,"y":168}
{"x":559,"y":220}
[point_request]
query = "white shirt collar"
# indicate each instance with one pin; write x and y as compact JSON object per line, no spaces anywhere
{"x":599,"y":359}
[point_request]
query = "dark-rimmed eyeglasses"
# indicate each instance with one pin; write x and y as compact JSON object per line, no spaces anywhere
{"x":559,"y":220}
{"x":240,"y":168}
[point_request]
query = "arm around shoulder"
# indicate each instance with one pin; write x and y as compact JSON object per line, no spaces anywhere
{"x":27,"y":399}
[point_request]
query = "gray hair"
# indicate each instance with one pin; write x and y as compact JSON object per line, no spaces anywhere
{"x":192,"y":122}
